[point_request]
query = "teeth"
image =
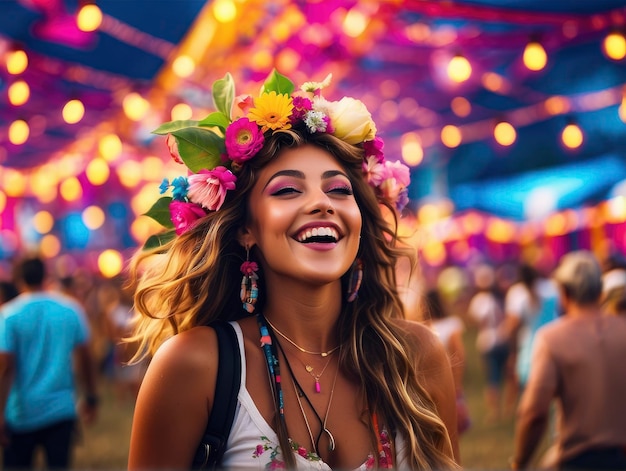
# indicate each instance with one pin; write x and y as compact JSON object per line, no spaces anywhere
{"x":318,"y":232}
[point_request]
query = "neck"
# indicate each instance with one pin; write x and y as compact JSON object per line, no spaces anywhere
{"x":587,"y":310}
{"x":307,"y":317}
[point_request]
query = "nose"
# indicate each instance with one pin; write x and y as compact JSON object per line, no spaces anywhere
{"x":321,"y":203}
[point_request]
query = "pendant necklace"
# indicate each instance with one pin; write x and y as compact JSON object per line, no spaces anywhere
{"x":309,"y":369}
{"x":300,"y":393}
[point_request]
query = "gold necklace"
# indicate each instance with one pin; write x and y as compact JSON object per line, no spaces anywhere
{"x":309,"y":369}
{"x":303,"y":350}
{"x":331,"y":439}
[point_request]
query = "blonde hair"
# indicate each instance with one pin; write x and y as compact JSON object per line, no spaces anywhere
{"x":196,"y":278}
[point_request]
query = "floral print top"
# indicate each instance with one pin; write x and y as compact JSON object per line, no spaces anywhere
{"x":253,"y":444}
{"x":267,"y":448}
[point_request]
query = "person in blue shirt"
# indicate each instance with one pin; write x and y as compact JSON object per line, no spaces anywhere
{"x":42,"y":334}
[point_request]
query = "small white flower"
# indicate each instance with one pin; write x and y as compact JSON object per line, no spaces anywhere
{"x":315,"y":121}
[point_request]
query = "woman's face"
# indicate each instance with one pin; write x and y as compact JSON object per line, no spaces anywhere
{"x":304,"y":218}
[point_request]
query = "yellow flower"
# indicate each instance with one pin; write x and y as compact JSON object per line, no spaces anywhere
{"x":272,"y":111}
{"x":351,"y":120}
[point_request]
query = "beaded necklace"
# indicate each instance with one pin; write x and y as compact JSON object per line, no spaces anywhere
{"x":384,"y":445}
{"x":300,"y":393}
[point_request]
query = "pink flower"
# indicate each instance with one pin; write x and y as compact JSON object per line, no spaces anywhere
{"x":302,"y":451}
{"x":208,"y":187}
{"x":243,"y":140}
{"x":300,"y":106}
{"x":400,"y":172}
{"x":172,"y":146}
{"x":248,"y":267}
{"x":277,"y":464}
{"x":375,"y":172}
{"x":374,"y":148}
{"x":184,"y":215}
{"x":259,"y":451}
{"x":241,"y":105}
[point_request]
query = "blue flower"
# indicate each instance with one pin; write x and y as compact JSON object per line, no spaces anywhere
{"x":179,"y":188}
{"x":165,"y":184}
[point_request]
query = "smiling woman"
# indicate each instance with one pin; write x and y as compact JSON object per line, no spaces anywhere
{"x":333,"y":376}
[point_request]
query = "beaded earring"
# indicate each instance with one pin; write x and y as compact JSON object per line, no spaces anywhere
{"x":249,"y":289}
{"x":356,"y":277}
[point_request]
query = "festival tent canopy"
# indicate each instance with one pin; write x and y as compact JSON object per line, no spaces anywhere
{"x":394,"y":55}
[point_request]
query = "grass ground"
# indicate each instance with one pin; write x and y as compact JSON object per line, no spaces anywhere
{"x":485,"y":446}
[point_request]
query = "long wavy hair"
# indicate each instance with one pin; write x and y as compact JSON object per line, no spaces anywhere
{"x":195,"y":280}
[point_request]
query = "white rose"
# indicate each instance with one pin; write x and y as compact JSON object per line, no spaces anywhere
{"x":351,"y":120}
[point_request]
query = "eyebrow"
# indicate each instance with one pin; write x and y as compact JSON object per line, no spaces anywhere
{"x":298,"y":174}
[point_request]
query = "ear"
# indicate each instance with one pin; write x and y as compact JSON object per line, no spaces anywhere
{"x":245,"y":237}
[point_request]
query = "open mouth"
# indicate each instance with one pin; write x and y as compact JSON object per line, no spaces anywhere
{"x":323,"y":235}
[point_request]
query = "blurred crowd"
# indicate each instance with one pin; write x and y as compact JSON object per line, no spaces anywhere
{"x":552,"y":344}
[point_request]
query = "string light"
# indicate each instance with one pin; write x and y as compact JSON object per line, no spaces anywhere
{"x":183,"y":66}
{"x":461,"y":106}
{"x":71,"y":189}
{"x":412,"y":150}
{"x":355,"y":23}
{"x":18,"y":132}
{"x":17,"y":61}
{"x":225,"y":11}
{"x":98,"y":171}
{"x":535,"y":57}
{"x":110,"y":147}
{"x":73,"y":111}
{"x":572,"y":136}
{"x":614,"y":46}
{"x":110,"y":263}
{"x":504,"y":133}
{"x":43,"y":222}
{"x":50,"y":246}
{"x":459,"y":69}
{"x":135,"y":106}
{"x":451,"y":136}
{"x":19,"y":93}
{"x":93,"y":217}
{"x":89,"y":18}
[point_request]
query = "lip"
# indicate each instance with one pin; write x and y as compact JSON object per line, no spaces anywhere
{"x":321,"y":247}
{"x":315,"y":225}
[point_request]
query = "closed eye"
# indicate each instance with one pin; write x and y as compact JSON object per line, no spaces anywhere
{"x":285,"y":191}
{"x":342,"y":190}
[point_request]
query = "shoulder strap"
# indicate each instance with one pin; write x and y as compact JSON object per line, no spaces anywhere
{"x":213,"y":445}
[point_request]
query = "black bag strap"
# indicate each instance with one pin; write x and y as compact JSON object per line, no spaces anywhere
{"x":213,"y":445}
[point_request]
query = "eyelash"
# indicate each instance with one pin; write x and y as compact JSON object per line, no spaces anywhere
{"x":285,"y":190}
{"x":343,"y":190}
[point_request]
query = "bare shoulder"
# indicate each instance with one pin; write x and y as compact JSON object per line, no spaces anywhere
{"x":420,"y":333}
{"x":174,"y":401}
{"x":188,"y":359}
{"x":429,"y":351}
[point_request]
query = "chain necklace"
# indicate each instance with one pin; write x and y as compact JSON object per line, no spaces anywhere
{"x":303,"y":350}
{"x":300,"y":393}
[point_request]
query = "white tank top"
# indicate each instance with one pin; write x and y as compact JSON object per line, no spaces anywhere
{"x":253,"y":444}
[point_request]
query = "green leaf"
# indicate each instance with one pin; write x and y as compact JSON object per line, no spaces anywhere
{"x":200,"y":148}
{"x":159,"y":240}
{"x":218,"y":119}
{"x":172,"y":126}
{"x":224,"y":94}
{"x":278,"y":83}
{"x":160,"y":212}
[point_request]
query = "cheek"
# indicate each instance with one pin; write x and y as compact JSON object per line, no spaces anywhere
{"x":270,"y":221}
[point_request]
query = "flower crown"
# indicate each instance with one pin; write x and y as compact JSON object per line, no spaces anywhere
{"x":215,"y":148}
